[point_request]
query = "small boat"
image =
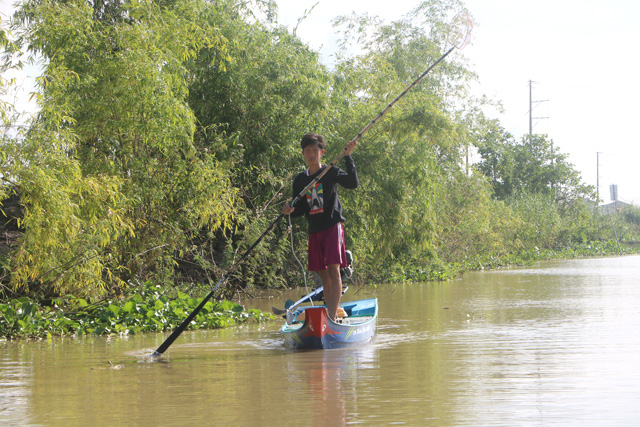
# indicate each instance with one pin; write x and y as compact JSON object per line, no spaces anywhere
{"x":309,"y":327}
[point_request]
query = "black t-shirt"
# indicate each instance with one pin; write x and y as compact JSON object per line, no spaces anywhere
{"x":321,"y":204}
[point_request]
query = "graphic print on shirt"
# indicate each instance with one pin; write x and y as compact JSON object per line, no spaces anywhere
{"x":315,"y":199}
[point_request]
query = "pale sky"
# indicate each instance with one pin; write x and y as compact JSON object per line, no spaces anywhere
{"x":581,"y":54}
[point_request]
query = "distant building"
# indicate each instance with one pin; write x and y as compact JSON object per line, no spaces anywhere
{"x":615,"y":207}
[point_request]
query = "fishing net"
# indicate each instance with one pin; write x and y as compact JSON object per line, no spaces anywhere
{"x":460,"y":30}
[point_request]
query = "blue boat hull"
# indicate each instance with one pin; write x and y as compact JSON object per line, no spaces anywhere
{"x":317,"y":331}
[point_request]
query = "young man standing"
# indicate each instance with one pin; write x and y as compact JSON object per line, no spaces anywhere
{"x":322,"y":208}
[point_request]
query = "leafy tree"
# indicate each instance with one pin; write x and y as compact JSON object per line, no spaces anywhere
{"x":541,"y":187}
{"x":472,"y":225}
{"x":5,"y":65}
{"x":405,"y":158}
{"x":534,"y":165}
{"x":260,"y":95}
{"x":168,"y":135}
{"x":108,"y":172}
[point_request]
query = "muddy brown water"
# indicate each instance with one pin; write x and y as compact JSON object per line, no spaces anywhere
{"x":555,"y":344}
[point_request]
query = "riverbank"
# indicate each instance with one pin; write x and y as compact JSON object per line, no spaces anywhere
{"x":438,"y":272}
{"x":151,"y":308}
{"x":147,"y":310}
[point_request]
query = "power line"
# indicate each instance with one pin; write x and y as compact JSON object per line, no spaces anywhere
{"x":531,"y":102}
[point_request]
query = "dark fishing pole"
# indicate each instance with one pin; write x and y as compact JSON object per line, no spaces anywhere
{"x":459,"y":35}
{"x":165,"y":345}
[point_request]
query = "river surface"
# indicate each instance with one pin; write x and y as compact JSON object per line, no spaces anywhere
{"x":555,"y":344}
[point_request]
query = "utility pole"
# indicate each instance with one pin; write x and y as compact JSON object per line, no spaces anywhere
{"x":531,"y":102}
{"x":530,"y":109}
{"x":597,"y":179}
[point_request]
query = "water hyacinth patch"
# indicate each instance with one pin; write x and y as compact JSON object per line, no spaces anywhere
{"x":146,"y":311}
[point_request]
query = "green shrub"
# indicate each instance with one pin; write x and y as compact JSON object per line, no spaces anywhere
{"x":146,"y":311}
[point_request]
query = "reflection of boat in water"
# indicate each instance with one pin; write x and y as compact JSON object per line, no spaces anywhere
{"x":332,"y":380}
{"x":310,"y":327}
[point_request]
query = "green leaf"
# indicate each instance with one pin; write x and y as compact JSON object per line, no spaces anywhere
{"x":129,"y":307}
{"x":114,"y":309}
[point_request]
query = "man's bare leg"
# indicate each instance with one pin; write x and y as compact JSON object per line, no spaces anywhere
{"x":332,"y":285}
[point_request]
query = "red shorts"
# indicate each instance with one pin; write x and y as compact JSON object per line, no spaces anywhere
{"x":326,"y":247}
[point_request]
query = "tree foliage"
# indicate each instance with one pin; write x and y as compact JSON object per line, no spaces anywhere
{"x":109,"y":174}
{"x":168,"y":134}
{"x":533,"y":165}
{"x":403,"y":159}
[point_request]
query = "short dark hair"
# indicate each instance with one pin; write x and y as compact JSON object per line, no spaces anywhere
{"x":313,"y":139}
